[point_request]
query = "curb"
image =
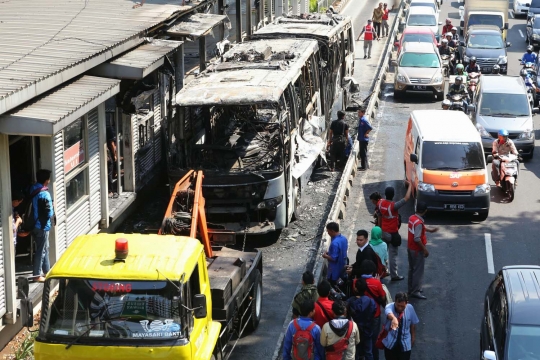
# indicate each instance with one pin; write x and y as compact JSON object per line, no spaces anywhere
{"x":317,"y":264}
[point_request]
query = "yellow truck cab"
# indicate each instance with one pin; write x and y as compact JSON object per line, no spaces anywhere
{"x":133,"y":296}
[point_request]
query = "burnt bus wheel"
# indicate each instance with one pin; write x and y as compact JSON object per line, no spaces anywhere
{"x":256,"y":305}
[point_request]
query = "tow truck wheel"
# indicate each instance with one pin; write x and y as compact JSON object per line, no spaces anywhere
{"x":256,"y":304}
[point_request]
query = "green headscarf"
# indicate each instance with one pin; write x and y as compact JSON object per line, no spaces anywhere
{"x":376,"y":236}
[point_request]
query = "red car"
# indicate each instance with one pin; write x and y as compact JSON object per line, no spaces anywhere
{"x":416,"y":34}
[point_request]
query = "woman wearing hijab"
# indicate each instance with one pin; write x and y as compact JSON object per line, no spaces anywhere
{"x":378,"y":245}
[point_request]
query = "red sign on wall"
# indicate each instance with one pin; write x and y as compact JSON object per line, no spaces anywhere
{"x":73,"y":156}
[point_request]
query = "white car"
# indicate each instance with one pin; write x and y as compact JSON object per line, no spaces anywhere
{"x":521,"y":7}
{"x":423,"y":16}
{"x":429,"y":3}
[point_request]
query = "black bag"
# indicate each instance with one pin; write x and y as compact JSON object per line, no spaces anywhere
{"x":396,"y":239}
{"x":28,"y":221}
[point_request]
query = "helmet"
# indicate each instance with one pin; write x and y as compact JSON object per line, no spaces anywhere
{"x":496,"y":69}
{"x":448,"y":34}
{"x":454,"y":28}
{"x":444,"y":42}
{"x":473,"y":59}
{"x":448,"y":21}
{"x":524,"y":73}
{"x":530,"y":49}
{"x":503,"y":132}
{"x":459,"y":79}
{"x":460,"y":67}
{"x":446,"y":103}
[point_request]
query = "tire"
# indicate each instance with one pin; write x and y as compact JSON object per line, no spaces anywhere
{"x":483,"y":215}
{"x":397,"y":94}
{"x":440,"y":95}
{"x":297,"y":199}
{"x":511,"y":192}
{"x":256,"y":305}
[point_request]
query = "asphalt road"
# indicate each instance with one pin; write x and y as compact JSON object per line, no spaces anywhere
{"x":459,"y":268}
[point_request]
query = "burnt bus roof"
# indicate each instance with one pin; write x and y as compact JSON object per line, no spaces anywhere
{"x":315,"y":26}
{"x":252,"y":72}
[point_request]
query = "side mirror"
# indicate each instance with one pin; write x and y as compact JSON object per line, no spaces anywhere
{"x":462,"y":43}
{"x":396,"y":44}
{"x":535,"y":110}
{"x":505,"y":26}
{"x":471,"y":107}
{"x":528,"y":5}
{"x":489,"y":159}
{"x":529,"y":25}
{"x":489,"y":355}
{"x":199,"y":306}
{"x":27,"y":307}
{"x":440,"y":22}
{"x":508,"y":44}
{"x":414,"y":158}
{"x":402,"y":23}
{"x":461,"y":8}
{"x":393,"y":62}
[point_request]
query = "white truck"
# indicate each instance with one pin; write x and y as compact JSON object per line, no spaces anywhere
{"x":484,"y":12}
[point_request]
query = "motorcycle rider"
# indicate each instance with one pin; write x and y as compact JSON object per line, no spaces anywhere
{"x":451,"y":42}
{"x":496,"y":70}
{"x":529,"y":56}
{"x":501,"y":146}
{"x":473,"y":66}
{"x":460,"y":70}
{"x":448,"y":27}
{"x":531,"y":88}
{"x":458,"y":88}
{"x":445,"y":50}
{"x":446,"y":104}
{"x":455,"y":35}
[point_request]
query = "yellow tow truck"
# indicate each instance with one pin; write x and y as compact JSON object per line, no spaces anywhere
{"x":162,"y":296}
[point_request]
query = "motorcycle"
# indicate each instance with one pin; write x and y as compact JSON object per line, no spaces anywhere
{"x":457,"y":102}
{"x":509,"y":171}
{"x":472,"y":83}
{"x":446,"y":60}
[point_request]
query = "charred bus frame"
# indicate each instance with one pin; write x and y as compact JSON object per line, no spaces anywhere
{"x":253,"y":123}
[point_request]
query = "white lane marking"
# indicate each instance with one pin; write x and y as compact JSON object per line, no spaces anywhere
{"x":489,"y":253}
{"x":520,"y":33}
{"x":511,"y":14}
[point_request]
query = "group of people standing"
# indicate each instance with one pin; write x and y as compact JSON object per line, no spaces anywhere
{"x":351,"y":329}
{"x":372,"y":31}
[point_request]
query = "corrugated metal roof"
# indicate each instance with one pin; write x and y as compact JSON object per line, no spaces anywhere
{"x":139,"y":62}
{"x":240,"y":82}
{"x":92,"y":257}
{"x":50,"y":113}
{"x":196,"y":25}
{"x":47,"y":42}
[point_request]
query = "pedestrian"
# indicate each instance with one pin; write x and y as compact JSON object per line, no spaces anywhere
{"x":378,"y":245}
{"x":308,"y":291}
{"x":303,"y":336}
{"x":417,"y":251}
{"x":378,"y":13}
{"x":17,"y":198}
{"x":365,"y":252}
{"x":341,"y":335}
{"x":323,"y":305}
{"x":364,"y":128}
{"x":337,"y":140}
{"x":336,"y":254}
{"x":362,"y":308}
{"x":375,"y":291}
{"x":401,"y":326}
{"x":112,"y":162}
{"x":368,"y":39}
{"x":390,"y":221}
{"x":42,"y":208}
{"x":385,"y":27}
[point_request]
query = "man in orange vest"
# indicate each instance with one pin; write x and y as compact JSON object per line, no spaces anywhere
{"x":417,"y":251}
{"x":368,"y":38}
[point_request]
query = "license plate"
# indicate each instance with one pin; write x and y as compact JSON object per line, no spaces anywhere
{"x":486,"y":69}
{"x":419,"y":87}
{"x":454,"y":207}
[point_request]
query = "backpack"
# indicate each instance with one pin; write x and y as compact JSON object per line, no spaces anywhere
{"x":303,"y":348}
{"x":381,"y":269}
{"x":335,"y":351}
{"x":28,"y":221}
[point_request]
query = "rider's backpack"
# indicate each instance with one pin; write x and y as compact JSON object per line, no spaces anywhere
{"x":303,"y":342}
{"x":335,"y":351}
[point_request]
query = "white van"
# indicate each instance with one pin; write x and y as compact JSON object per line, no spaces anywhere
{"x":444,"y":162}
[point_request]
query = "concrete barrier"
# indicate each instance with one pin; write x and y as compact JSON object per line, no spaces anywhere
{"x":339,"y":206}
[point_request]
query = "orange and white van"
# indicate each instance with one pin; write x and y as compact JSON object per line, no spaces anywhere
{"x":444,"y":161}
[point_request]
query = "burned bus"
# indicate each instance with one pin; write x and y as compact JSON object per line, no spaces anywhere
{"x":335,"y":36}
{"x":253,"y":123}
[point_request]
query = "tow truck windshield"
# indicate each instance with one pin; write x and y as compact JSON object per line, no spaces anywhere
{"x":457,"y":156}
{"x":84,"y":310}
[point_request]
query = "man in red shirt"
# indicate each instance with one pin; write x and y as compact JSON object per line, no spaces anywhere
{"x":376,"y":292}
{"x":385,"y":27}
{"x":323,"y":305}
{"x":417,"y":250}
{"x":448,"y":27}
{"x":388,"y":221}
